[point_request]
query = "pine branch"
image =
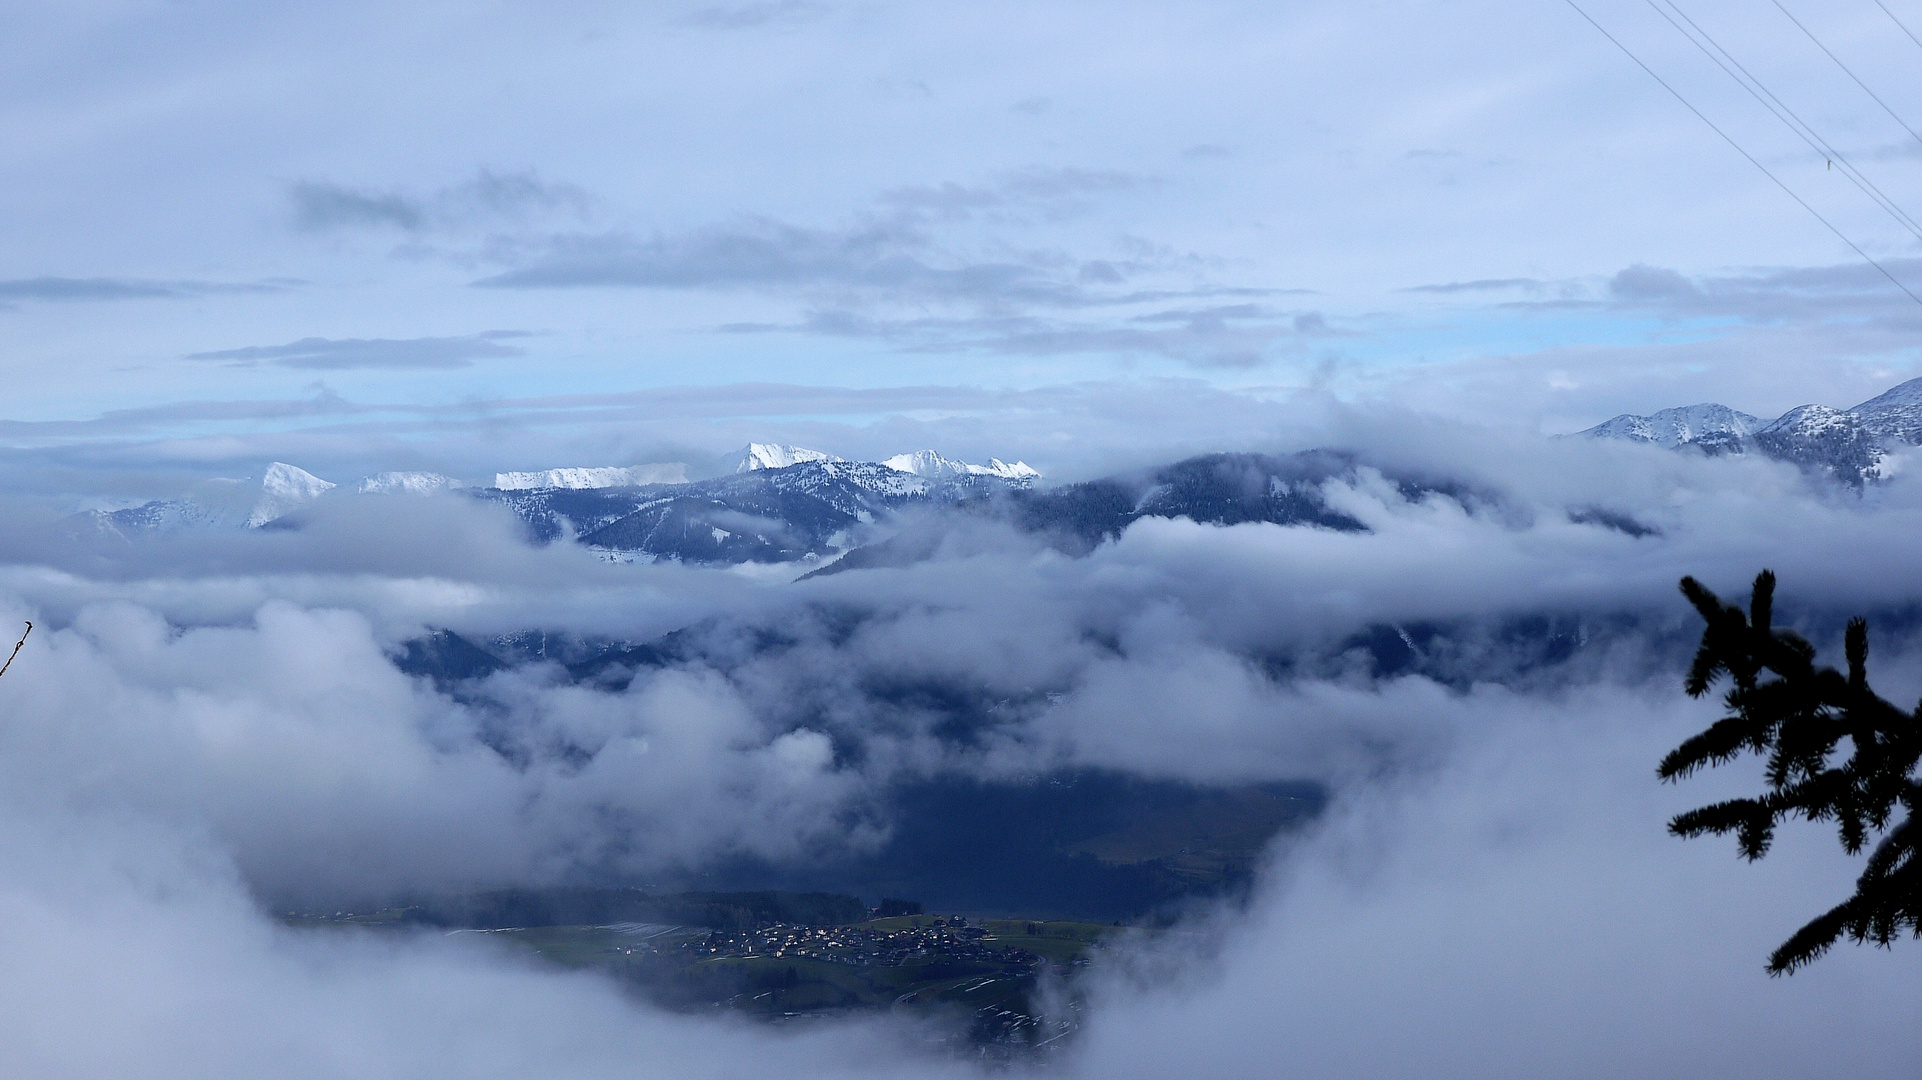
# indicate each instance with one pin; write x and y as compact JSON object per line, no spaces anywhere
{"x":1798,"y":720}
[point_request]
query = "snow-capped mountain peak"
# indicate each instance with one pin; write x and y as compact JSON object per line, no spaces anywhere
{"x":1907,"y":393}
{"x":1677,"y":427}
{"x":1852,"y":445}
{"x":1019,"y":470}
{"x":931,"y":464}
{"x":406,"y":483}
{"x":1896,"y":414}
{"x":758,"y":456}
{"x":672,"y":472}
{"x":283,"y":489}
{"x":1811,"y":421}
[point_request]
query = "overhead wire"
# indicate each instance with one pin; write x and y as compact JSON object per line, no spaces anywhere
{"x":1845,"y":68}
{"x":1790,"y":192}
{"x":1898,"y":22}
{"x":1780,"y":109}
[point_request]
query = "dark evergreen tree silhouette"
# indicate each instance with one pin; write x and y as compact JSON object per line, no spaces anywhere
{"x":1798,"y":718}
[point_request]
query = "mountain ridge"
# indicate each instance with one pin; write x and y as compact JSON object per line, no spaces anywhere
{"x":1850,"y":445}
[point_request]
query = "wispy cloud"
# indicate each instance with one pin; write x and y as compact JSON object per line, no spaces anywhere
{"x":68,"y":289}
{"x":339,"y":354}
{"x":489,"y":198}
{"x":882,"y":260}
{"x":896,"y":251}
{"x":1482,"y":285}
{"x":319,"y":206}
{"x":1241,"y":335}
{"x":1847,"y":292}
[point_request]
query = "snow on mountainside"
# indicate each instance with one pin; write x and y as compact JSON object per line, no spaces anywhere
{"x":929,"y":463}
{"x":1214,"y":489}
{"x":768,"y":457}
{"x":810,"y":507}
{"x":216,"y":504}
{"x":406,"y":483}
{"x":1849,"y":444}
{"x":772,"y":456}
{"x":1896,"y":414}
{"x":283,"y":490}
{"x":1821,"y":438}
{"x":1674,"y":427}
{"x":583,"y":478}
{"x":795,"y":513}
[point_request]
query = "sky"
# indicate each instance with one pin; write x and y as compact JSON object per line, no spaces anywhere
{"x":1096,"y":237}
{"x":496,"y":236}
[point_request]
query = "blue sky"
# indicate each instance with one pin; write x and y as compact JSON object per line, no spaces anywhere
{"x":1480,"y":209}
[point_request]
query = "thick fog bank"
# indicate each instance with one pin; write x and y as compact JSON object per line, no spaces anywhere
{"x":204,"y":725}
{"x":1515,"y":912}
{"x":1519,"y":912}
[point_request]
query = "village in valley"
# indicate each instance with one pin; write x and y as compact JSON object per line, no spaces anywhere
{"x":992,"y":987}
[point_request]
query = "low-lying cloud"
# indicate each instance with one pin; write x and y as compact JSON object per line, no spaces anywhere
{"x":209,"y":723}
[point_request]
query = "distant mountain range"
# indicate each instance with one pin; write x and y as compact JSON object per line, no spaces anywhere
{"x":224,"y":503}
{"x":813,"y":509}
{"x":780,"y":504}
{"x":817,"y":508}
{"x":789,"y":504}
{"x":1849,"y":444}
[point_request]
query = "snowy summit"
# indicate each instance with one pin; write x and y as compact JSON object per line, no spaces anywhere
{"x":1852,"y":444}
{"x":930,"y":464}
{"x":284,"y":489}
{"x":1676,"y":427}
{"x":406,"y":483}
{"x":759,"y":456}
{"x":603,"y":477}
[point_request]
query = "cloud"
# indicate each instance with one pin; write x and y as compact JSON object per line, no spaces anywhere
{"x":894,"y":253}
{"x":1652,"y":285}
{"x":1484,"y":285}
{"x":1220,"y":336}
{"x":1512,"y":915}
{"x":754,"y":253}
{"x":1046,"y":189}
{"x":340,"y":354}
{"x":65,"y":289}
{"x":111,"y":912}
{"x":875,"y":262}
{"x":320,"y":206}
{"x":1847,"y":292}
{"x":203,"y":720}
{"x":489,"y":198}
{"x":893,"y":273}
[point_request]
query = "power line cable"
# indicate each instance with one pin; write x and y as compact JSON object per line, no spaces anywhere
{"x":16,"y":650}
{"x":1780,"y":109}
{"x":1845,"y":68}
{"x":1898,"y":22}
{"x":1793,"y":120}
{"x":1790,"y":192}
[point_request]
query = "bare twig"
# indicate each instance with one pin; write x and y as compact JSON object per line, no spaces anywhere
{"x":16,"y":649}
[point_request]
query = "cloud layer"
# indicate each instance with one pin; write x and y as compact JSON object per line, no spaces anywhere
{"x":203,"y":723}
{"x":1091,"y":238}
